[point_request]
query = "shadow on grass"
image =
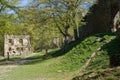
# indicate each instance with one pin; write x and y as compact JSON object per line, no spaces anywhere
{"x":39,"y":58}
{"x":113,"y":49}
{"x":71,"y":45}
{"x":52,"y":54}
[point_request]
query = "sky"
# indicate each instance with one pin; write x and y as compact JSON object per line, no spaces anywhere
{"x":23,"y":3}
{"x":86,"y":4}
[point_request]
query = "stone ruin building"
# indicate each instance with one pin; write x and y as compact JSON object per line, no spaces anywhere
{"x":16,"y":45}
{"x":56,"y":42}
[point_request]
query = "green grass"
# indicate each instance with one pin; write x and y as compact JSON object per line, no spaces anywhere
{"x":101,"y":74}
{"x":77,"y":57}
{"x":101,"y":60}
{"x":59,"y":68}
{"x":99,"y":66}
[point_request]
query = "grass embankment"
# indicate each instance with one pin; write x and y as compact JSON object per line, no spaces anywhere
{"x":101,"y":74}
{"x":99,"y":68}
{"x":62,"y":67}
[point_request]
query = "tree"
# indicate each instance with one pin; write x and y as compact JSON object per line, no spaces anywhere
{"x":8,"y":26}
{"x":45,"y":38}
{"x":7,"y":5}
{"x":38,"y":25}
{"x":8,"y":21}
{"x":60,"y":15}
{"x":65,"y":14}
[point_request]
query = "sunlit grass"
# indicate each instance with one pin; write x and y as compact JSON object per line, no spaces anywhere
{"x":58,"y":68}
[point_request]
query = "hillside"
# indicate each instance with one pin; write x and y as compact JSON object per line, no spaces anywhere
{"x":99,"y":67}
{"x":102,"y":74}
{"x":63,"y":67}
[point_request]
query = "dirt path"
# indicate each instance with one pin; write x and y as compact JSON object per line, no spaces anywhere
{"x":92,"y":56}
{"x":4,"y":69}
{"x":7,"y":66}
{"x":89,"y":60}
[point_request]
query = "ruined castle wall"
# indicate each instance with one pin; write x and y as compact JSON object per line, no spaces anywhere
{"x":16,"y":45}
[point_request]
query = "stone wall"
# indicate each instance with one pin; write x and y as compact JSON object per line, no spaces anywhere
{"x":115,"y":24}
{"x":16,"y":44}
{"x":56,"y":42}
{"x":101,"y":17}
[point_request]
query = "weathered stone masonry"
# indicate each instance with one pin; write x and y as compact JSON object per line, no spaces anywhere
{"x":16,"y":45}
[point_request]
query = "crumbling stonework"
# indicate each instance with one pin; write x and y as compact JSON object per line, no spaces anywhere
{"x":116,"y":23}
{"x":100,"y":18}
{"x":16,"y":45}
{"x":56,"y":42}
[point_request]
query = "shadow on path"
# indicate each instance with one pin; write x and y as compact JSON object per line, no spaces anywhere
{"x":37,"y":59}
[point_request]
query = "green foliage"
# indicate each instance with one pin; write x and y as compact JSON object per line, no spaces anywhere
{"x":8,"y":22}
{"x":98,"y":62}
{"x":77,"y":56}
{"x":101,"y":74}
{"x":67,"y":64}
{"x":7,"y":26}
{"x":117,"y":73}
{"x":65,"y":15}
{"x":40,"y":27}
{"x":111,"y":78}
{"x":57,"y":18}
{"x":8,"y":5}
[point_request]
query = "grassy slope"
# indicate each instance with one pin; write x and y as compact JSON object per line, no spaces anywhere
{"x":101,"y":74}
{"x":99,"y":69}
{"x":60,"y":68}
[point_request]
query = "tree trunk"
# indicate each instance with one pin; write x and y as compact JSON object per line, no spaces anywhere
{"x":76,"y":34}
{"x":46,"y":53}
{"x":8,"y":56}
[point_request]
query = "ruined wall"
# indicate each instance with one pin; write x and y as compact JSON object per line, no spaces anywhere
{"x":16,"y":45}
{"x":100,"y":17}
{"x":56,"y":42}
